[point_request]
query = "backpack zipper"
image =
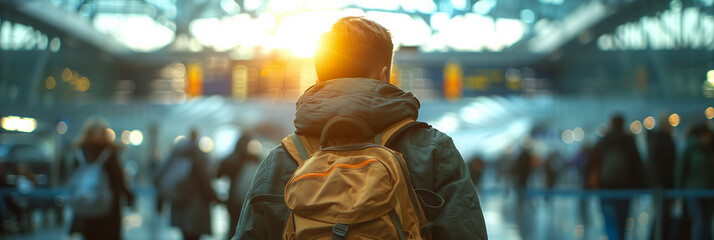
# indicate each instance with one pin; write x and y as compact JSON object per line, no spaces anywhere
{"x":340,"y":165}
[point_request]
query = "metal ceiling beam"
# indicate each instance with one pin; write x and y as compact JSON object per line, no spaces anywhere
{"x":615,"y":16}
{"x":628,"y":13}
{"x":560,"y":33}
{"x":69,"y":24}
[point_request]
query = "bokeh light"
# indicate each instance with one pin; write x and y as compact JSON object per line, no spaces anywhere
{"x":66,"y":74}
{"x":111,"y":135}
{"x":82,"y":84}
{"x":20,"y":124}
{"x":567,"y":136}
{"x":673,"y":119}
{"x":601,"y":130}
{"x":136,"y":137}
{"x":636,"y":127}
{"x":709,"y":113}
{"x":125,"y":137}
{"x":643,"y":219}
{"x":629,"y":224}
{"x":255,"y":147}
{"x":578,"y":134}
{"x":62,"y":127}
{"x":179,"y":138}
{"x":649,"y":122}
{"x":50,"y":83}
{"x":205,"y":144}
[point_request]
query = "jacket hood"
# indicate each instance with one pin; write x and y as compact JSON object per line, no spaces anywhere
{"x":379,"y":104}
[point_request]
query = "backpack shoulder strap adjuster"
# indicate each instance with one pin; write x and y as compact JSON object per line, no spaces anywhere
{"x":339,"y":230}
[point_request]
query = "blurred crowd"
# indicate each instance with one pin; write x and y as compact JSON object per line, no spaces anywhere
{"x":675,"y":173}
{"x":98,"y":187}
{"x":614,"y":170}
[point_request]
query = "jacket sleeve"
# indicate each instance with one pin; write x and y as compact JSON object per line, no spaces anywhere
{"x":461,"y":217}
{"x":200,"y":170}
{"x":116,"y":173}
{"x":264,"y":211}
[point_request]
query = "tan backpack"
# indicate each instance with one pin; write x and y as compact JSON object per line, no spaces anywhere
{"x":359,"y":190}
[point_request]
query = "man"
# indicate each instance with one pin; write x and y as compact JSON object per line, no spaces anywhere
{"x":353,"y":66}
{"x":663,"y":154}
{"x":618,"y":166}
{"x":694,"y":173}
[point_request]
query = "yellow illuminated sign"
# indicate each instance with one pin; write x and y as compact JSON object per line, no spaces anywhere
{"x":194,"y":78}
{"x":453,"y":81}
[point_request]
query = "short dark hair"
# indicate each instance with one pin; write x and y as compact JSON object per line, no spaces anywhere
{"x":354,"y":47}
{"x":617,"y":122}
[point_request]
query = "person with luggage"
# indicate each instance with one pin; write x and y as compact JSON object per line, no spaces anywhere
{"x":183,"y":180}
{"x":240,"y":168}
{"x":98,"y":185}
{"x":358,"y":163}
{"x":618,"y":166}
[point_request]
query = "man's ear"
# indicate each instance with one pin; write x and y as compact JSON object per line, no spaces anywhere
{"x":385,"y":74}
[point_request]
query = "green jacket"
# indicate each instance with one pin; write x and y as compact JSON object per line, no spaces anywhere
{"x":695,"y":167}
{"x":433,"y":160}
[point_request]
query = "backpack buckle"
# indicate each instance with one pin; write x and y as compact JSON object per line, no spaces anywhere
{"x":340,"y":229}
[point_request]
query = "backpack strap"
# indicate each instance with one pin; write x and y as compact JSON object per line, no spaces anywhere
{"x":103,"y":156}
{"x":80,"y":157}
{"x":299,"y":147}
{"x":392,"y":132}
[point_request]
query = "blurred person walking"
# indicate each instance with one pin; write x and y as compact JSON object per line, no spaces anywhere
{"x":522,"y":169}
{"x":353,"y":66}
{"x":240,"y":168}
{"x":581,"y":164}
{"x":521,"y":172}
{"x":476,"y":168}
{"x":695,"y":173}
{"x":618,"y":166}
{"x":662,"y":157}
{"x":95,"y":147}
{"x":183,"y":180}
{"x":551,"y":169}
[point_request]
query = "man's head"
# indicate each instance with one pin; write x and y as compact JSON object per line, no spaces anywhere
{"x":354,"y":47}
{"x":194,"y":134}
{"x":617,"y":122}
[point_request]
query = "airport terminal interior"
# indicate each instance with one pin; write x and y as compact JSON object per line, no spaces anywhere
{"x":529,"y":91}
